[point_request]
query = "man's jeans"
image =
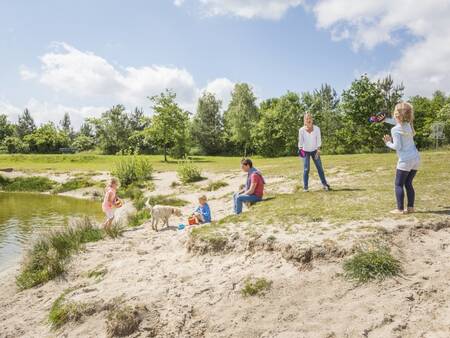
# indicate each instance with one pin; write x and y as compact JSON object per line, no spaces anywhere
{"x":306,"y":166}
{"x":239,"y":199}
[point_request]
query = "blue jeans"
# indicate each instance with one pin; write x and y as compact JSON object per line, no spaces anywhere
{"x":404,"y":179}
{"x":306,"y":166}
{"x":239,"y":199}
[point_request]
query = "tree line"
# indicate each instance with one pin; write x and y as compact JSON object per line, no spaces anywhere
{"x":269,"y":128}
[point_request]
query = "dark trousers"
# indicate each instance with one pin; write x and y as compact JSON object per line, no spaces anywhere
{"x":403,"y":180}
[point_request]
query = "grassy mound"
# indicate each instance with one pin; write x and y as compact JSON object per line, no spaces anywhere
{"x":372,"y":264}
{"x":74,"y":184}
{"x":32,"y":184}
{"x":50,"y":254}
{"x":256,"y":287}
{"x":187,"y":172}
{"x":216,"y":185}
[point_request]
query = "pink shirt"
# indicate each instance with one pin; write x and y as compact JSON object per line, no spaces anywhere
{"x":107,"y":205}
{"x":258,"y":180}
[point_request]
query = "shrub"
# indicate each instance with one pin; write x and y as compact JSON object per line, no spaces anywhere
{"x":50,"y":254}
{"x":139,"y":217}
{"x":73,"y":184}
{"x":63,"y":311}
{"x":33,"y":183}
{"x":376,"y":263}
{"x":254,"y":287}
{"x":216,"y":185}
{"x":123,"y":320}
{"x":134,"y":169}
{"x":187,"y":172}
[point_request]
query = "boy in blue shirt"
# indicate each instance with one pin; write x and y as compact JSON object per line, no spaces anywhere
{"x":202,"y":212}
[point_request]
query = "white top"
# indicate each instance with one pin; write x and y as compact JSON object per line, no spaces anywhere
{"x":309,"y":141}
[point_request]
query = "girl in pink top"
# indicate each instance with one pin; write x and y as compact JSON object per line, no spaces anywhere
{"x":108,"y":201}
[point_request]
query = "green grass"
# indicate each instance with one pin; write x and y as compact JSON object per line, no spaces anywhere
{"x":73,"y":184}
{"x":99,"y":272}
{"x":48,"y":257}
{"x":188,"y":172}
{"x":167,"y":200}
{"x":139,"y":218}
{"x":115,"y":230}
{"x":133,"y":170}
{"x":371,"y":264}
{"x":123,"y":320}
{"x":31,"y":184}
{"x":216,"y":185}
{"x":63,"y":311}
{"x":256,"y":287}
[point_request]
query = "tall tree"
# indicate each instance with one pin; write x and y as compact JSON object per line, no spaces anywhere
{"x":392,"y":94}
{"x":207,"y":126}
{"x":241,"y":116}
{"x":138,"y":121}
{"x":87,"y":129}
{"x":66,"y":125}
{"x":6,"y":128}
{"x":113,"y":130}
{"x":169,"y":127}
{"x":359,"y":102}
{"x":25,"y":124}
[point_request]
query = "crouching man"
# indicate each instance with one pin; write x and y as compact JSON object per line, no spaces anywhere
{"x":254,"y":187}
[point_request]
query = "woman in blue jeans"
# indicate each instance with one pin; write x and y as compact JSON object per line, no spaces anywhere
{"x":309,"y":142}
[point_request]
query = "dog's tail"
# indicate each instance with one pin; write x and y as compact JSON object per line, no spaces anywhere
{"x":148,"y":205}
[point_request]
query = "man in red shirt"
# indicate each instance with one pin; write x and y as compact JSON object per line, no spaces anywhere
{"x":254,"y":188}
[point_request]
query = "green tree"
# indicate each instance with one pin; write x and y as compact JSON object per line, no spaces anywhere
{"x":358,"y":103}
{"x":169,"y":127}
{"x":276,"y":133}
{"x":25,"y":124}
{"x":87,"y":129}
{"x":15,"y":145}
{"x":392,"y":94}
{"x":138,"y":121}
{"x":6,"y":128}
{"x":207,"y":126}
{"x":47,"y":139}
{"x":241,"y":116}
{"x":66,"y":125}
{"x":83,"y":143}
{"x":113,"y":130}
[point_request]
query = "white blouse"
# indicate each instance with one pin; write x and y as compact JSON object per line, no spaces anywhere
{"x":309,"y":141}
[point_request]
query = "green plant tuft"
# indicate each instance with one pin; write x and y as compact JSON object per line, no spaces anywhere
{"x":32,"y":184}
{"x":256,"y":287}
{"x":73,"y":184}
{"x":371,"y":264}
{"x":63,"y":311}
{"x":188,"y":173}
{"x":115,"y":230}
{"x":216,"y":185}
{"x":123,"y":320}
{"x":166,"y":200}
{"x":139,"y":217}
{"x":131,"y":170}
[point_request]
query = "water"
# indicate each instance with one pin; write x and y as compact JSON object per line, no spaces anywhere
{"x":24,"y":215}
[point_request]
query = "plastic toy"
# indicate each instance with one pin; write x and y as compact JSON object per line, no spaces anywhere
{"x":377,"y":118}
{"x":118,"y":203}
{"x":192,"y":220}
{"x":181,"y":226}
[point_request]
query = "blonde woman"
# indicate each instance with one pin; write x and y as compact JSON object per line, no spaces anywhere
{"x":309,"y":142}
{"x":402,"y":141}
{"x":109,"y":200}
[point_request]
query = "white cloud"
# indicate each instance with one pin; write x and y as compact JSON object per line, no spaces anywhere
{"x":222,"y":88}
{"x":26,"y":74}
{"x":424,"y":65}
{"x":43,"y":111}
{"x":84,"y":76}
{"x":249,"y":9}
{"x":178,"y":2}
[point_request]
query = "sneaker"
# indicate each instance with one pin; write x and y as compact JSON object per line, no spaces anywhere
{"x":410,"y":210}
{"x":305,"y":190}
{"x":397,"y":212}
{"x":326,"y":187}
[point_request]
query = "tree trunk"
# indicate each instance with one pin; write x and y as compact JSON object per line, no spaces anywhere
{"x":165,"y":153}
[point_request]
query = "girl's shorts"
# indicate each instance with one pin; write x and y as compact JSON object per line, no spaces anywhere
{"x":109,"y":213}
{"x":409,"y":165}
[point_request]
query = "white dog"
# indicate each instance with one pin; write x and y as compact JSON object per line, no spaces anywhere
{"x":162,"y":212}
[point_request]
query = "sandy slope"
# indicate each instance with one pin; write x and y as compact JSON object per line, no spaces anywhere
{"x":187,"y":295}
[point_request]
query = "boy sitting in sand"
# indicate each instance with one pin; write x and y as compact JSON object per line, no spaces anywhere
{"x":202,"y":213}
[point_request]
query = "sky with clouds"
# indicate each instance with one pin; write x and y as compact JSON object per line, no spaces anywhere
{"x":83,"y":57}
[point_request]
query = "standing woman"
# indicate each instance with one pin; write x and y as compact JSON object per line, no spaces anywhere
{"x":402,"y":141}
{"x":309,"y":142}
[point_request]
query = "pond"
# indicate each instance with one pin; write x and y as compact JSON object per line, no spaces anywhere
{"x":23,"y":215}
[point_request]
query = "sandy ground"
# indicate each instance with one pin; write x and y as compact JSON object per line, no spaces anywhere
{"x":183,"y":294}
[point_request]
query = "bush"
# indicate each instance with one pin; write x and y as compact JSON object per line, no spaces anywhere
{"x":187,"y":172}
{"x":83,"y":143}
{"x":33,"y":183}
{"x":15,"y":145}
{"x":139,"y":217}
{"x":76,"y":183}
{"x":49,"y":255}
{"x":131,"y":170}
{"x":377,"y":263}
{"x":255,"y":287}
{"x":216,"y":185}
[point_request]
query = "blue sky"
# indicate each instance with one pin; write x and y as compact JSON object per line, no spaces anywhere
{"x":85,"y":56}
